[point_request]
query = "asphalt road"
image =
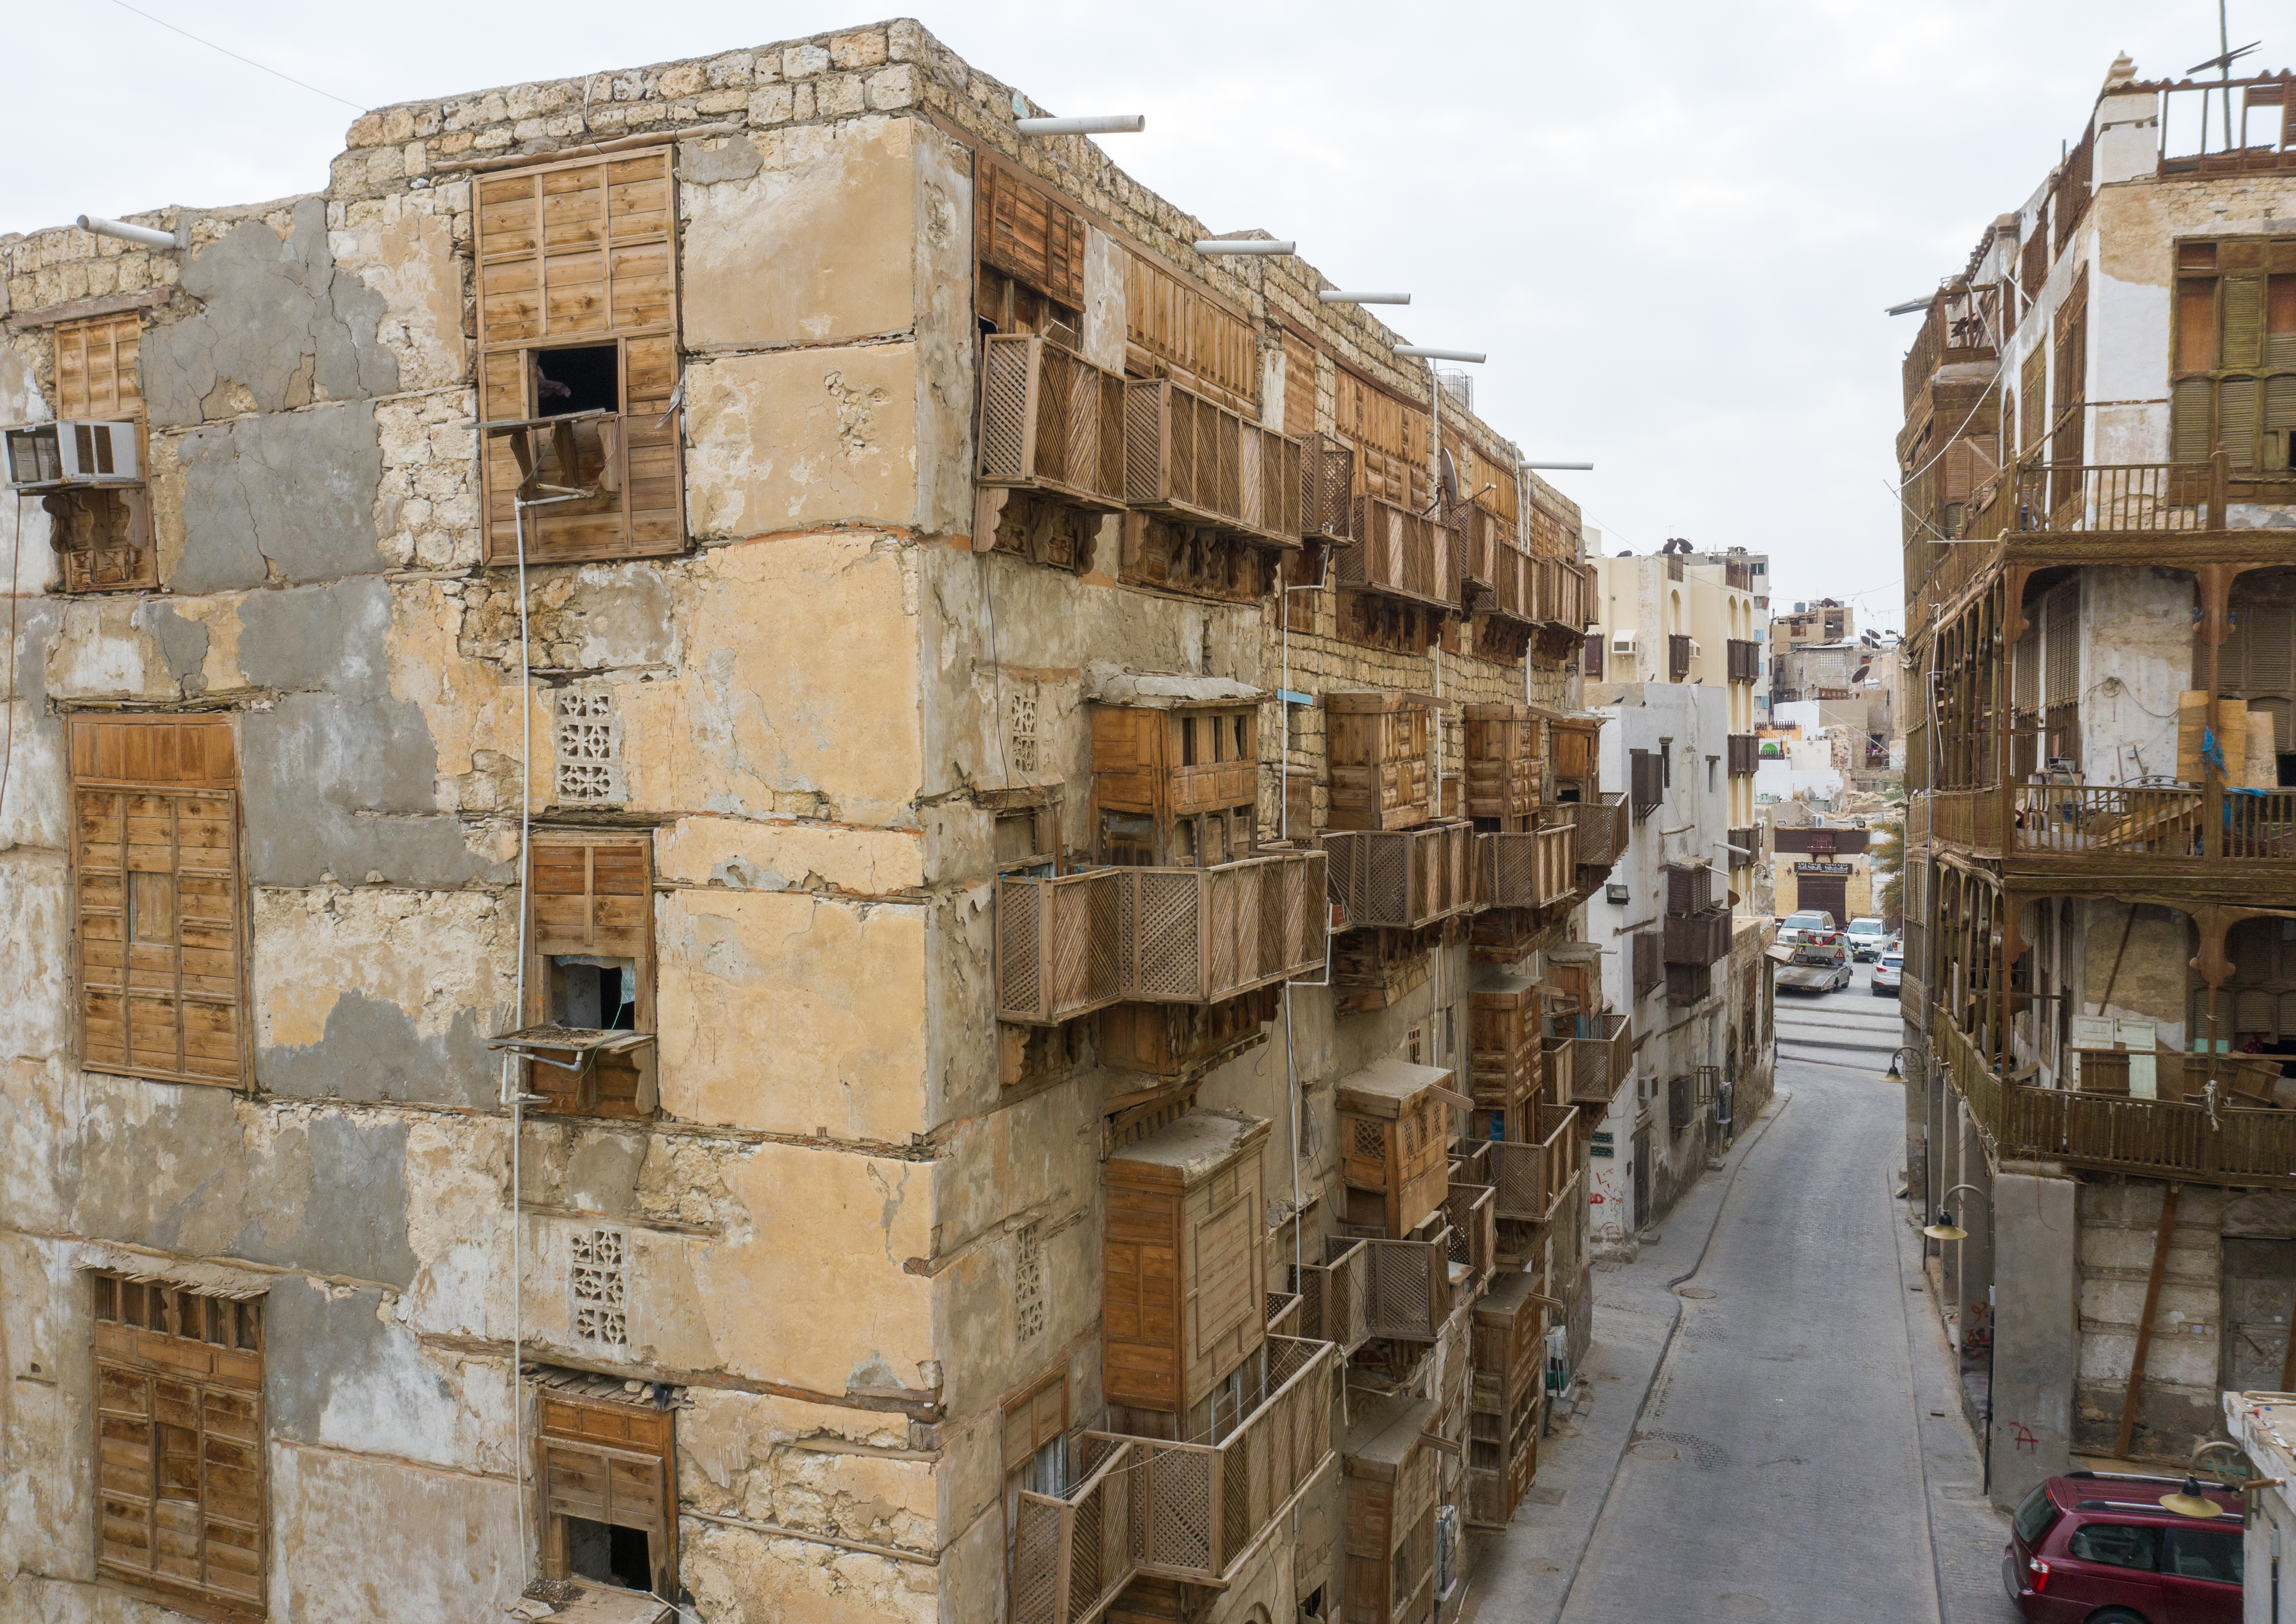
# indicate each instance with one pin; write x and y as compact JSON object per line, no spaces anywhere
{"x":1798,"y":1458}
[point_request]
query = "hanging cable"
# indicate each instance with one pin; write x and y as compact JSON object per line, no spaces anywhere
{"x":8,"y":739}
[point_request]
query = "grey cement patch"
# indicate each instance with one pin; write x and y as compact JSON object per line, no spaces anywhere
{"x":294,"y":489}
{"x":319,"y":639}
{"x":627,"y":617}
{"x":371,"y":1050}
{"x":602,"y":1173}
{"x":701,"y":165}
{"x":322,"y":1345}
{"x":351,"y":1215}
{"x":183,"y":643}
{"x":278,"y":320}
{"x":347,"y":787}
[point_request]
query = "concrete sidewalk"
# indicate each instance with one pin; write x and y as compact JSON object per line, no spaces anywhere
{"x":1523,"y":1574}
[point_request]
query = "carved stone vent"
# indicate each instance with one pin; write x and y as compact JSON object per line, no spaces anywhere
{"x":1028,"y":1284}
{"x":1020,"y":729}
{"x":588,"y":742}
{"x":599,"y":1287}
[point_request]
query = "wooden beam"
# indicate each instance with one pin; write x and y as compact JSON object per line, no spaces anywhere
{"x":2144,"y":1326}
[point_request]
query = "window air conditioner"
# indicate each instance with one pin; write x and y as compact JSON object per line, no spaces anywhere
{"x":1694,"y":649}
{"x":1623,"y":643}
{"x":73,"y":452}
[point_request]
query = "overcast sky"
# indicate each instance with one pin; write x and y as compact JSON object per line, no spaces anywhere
{"x":1673,"y":226}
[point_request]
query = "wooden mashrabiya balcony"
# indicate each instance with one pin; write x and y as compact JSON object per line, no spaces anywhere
{"x":2147,"y":837}
{"x":1184,"y":1511}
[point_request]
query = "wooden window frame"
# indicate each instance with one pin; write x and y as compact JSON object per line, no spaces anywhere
{"x":567,"y":1425}
{"x":224,"y":1379}
{"x":2198,"y":382}
{"x":121,"y":765}
{"x":512,"y":334}
{"x":571,"y":1080}
{"x":131,"y":562}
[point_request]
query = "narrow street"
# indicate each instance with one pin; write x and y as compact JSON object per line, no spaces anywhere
{"x":1792,"y":1450}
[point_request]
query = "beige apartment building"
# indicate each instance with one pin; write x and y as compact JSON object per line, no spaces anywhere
{"x":759,"y":856}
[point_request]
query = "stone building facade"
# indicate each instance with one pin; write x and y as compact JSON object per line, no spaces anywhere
{"x":523,"y":802}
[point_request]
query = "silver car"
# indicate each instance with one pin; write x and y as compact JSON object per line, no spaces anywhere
{"x":1889,"y":973}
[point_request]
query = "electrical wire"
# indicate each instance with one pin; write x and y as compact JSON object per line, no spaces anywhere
{"x":15,"y":564}
{"x":236,"y":57}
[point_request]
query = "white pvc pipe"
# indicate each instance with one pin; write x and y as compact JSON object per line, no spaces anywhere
{"x":1333,"y":296}
{"x":1244,"y":245}
{"x":125,"y":233}
{"x":1429,"y":352}
{"x":1580,"y":467}
{"x":1088,"y":124}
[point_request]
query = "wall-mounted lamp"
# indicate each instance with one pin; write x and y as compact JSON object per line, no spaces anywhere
{"x":1427,"y":352}
{"x":1945,"y":1228}
{"x":1088,"y":124}
{"x":1244,"y":245}
{"x":1333,"y":296}
{"x":144,"y":234}
{"x":1577,"y":467}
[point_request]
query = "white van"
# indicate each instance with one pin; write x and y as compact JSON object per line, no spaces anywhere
{"x":1867,"y":936}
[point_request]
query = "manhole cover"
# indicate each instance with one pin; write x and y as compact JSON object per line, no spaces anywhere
{"x":1700,"y":1291}
{"x":1658,"y":1452}
{"x":1746,"y":1606}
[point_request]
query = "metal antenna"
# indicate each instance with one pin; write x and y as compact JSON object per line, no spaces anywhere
{"x":2223,"y":68}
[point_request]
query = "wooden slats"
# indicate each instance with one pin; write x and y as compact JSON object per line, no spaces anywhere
{"x":1194,"y":336}
{"x":1029,"y":235}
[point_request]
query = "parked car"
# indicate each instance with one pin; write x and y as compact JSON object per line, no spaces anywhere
{"x":1867,"y":936}
{"x":1820,"y":963}
{"x":1792,"y":927}
{"x":2098,"y":1548}
{"x":1889,"y":975}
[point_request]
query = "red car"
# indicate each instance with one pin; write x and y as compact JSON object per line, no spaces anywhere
{"x":2098,"y":1548}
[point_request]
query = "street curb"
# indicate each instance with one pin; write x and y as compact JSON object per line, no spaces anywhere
{"x":1781,"y":1098}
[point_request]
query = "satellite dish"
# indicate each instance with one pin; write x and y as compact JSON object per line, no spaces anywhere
{"x":1446,"y":473}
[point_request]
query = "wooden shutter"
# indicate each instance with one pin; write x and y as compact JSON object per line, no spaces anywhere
{"x":609,"y":1463}
{"x":2032,"y":389}
{"x":180,"y":1478}
{"x":593,"y":897}
{"x":1029,"y":235}
{"x":575,"y":253}
{"x":103,"y":535}
{"x":95,"y":368}
{"x":1034,"y":1420}
{"x":1192,"y":334}
{"x":2196,"y":325}
{"x":155,"y":859}
{"x":1299,"y":387}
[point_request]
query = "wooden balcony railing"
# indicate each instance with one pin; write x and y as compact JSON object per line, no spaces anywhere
{"x":1918,"y":818}
{"x":1335,"y":1295}
{"x":1746,"y":845}
{"x":1070,"y":946}
{"x":1530,"y":1180}
{"x":1745,"y":754}
{"x":2179,"y":1139}
{"x":1472,"y":1210}
{"x":1495,"y":572}
{"x":1604,"y":828}
{"x":1678,"y":658}
{"x":1398,"y":552}
{"x":1558,"y":593}
{"x":2253,"y":1078}
{"x":1196,"y":460}
{"x":1601,"y":1063}
{"x":1283,"y":1313}
{"x":1738,"y":575}
{"x":1410,"y":1287}
{"x":1400,"y":879}
{"x":1536,"y":870}
{"x":1059,"y":945}
{"x":1702,"y":938}
{"x":1966,"y":817}
{"x":1051,"y":421}
{"x":2126,"y":498}
{"x":1191,"y":1511}
{"x":2087,"y":819}
{"x":1744,"y":658}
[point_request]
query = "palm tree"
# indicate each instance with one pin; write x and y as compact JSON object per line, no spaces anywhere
{"x":1885,"y":853}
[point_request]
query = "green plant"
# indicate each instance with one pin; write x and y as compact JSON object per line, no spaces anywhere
{"x":1885,"y":852}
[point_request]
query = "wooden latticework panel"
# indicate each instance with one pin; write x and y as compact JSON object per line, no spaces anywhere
{"x":1410,"y":1287}
{"x":180,"y":1466}
{"x":1327,"y":474}
{"x":1190,"y":456}
{"x":1601,"y":1063}
{"x":1398,"y":552}
{"x":1335,"y":1295}
{"x":155,"y":869}
{"x":1200,"y":935}
{"x":583,"y":254}
{"x":1059,"y":945}
{"x":1071,"y":1556}
{"x":1049,"y":419}
{"x":1172,"y":321}
{"x":1400,"y":879}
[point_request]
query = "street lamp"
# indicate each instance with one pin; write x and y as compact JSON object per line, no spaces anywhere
{"x":2190,"y":1502}
{"x":1893,"y":1075}
{"x":1945,"y":1228}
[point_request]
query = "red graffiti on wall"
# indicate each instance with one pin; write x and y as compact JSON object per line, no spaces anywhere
{"x":2024,"y":1435}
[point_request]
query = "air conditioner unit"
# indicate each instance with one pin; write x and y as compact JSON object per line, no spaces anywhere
{"x":1623,"y":643}
{"x":73,"y":452}
{"x":1694,"y":649}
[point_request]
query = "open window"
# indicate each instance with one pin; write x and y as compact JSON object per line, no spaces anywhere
{"x":87,"y":466}
{"x":587,"y":1033}
{"x":607,"y":1476}
{"x":578,"y":359}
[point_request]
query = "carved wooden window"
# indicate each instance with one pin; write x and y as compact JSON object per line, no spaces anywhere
{"x":1028,"y":235}
{"x":607,"y":1474}
{"x":590,"y":970}
{"x":578,"y":340}
{"x":180,"y":1509}
{"x":1391,"y":437}
{"x":2234,"y":367}
{"x":156,"y":885}
{"x":103,"y":535}
{"x":1173,"y":326}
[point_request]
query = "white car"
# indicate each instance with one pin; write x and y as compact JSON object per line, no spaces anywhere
{"x":1889,"y":973}
{"x":1868,"y":938}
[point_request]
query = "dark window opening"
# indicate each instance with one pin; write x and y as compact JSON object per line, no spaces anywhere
{"x":596,"y":994}
{"x":584,"y":379}
{"x":610,"y":1555}
{"x":2286,"y":762}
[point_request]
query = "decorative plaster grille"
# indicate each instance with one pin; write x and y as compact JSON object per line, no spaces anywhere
{"x":588,"y":745}
{"x":599,"y":1287}
{"x":1028,"y":1284}
{"x":1022,"y":729}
